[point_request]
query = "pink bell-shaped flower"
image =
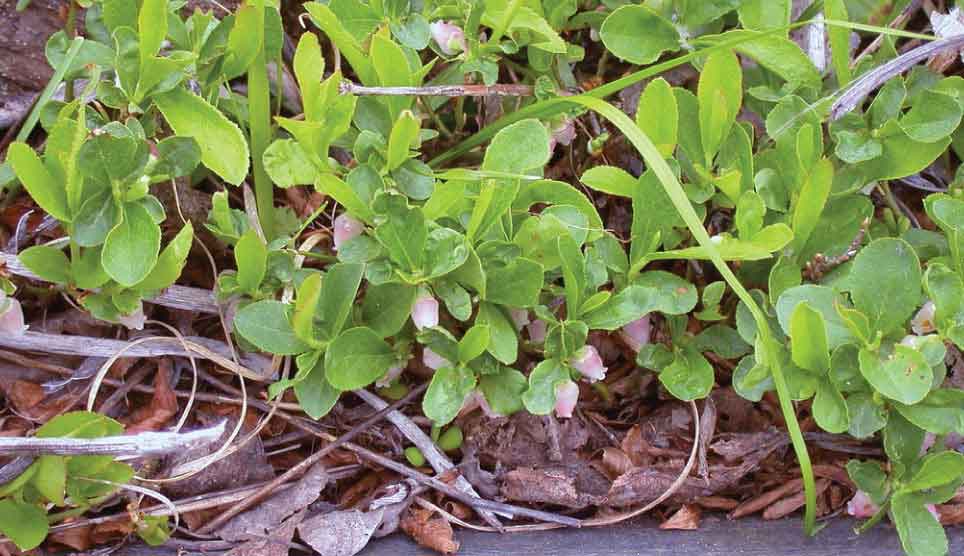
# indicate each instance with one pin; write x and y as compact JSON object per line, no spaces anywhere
{"x":588,"y":362}
{"x":433,"y":360}
{"x":425,"y":311}
{"x":637,"y":333}
{"x":346,"y":228}
{"x":537,"y":331}
{"x":520,"y":317}
{"x":567,"y":393}
{"x":923,"y":321}
{"x":861,"y":506}
{"x":450,"y":37}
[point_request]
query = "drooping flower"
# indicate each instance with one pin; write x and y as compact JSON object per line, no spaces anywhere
{"x":923,"y":321}
{"x":537,"y":331}
{"x":433,"y":360}
{"x":637,"y":333}
{"x":588,"y":362}
{"x":425,"y":311}
{"x":861,"y":506}
{"x":390,"y":375}
{"x":567,"y":393}
{"x":449,"y":36}
{"x":11,"y":316}
{"x":520,"y":317}
{"x":562,"y":132}
{"x":346,"y":228}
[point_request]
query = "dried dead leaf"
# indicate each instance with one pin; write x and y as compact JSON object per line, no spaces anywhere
{"x":758,"y":503}
{"x":434,"y":533}
{"x":686,"y":518}
{"x":163,"y":405}
{"x":25,"y":395}
{"x":615,"y":462}
{"x":77,"y":538}
{"x":789,"y":505}
{"x":340,"y":533}
{"x":717,"y":503}
{"x":573,"y":486}
{"x":243,"y":467}
{"x":951,"y":514}
{"x":262,"y":519}
{"x":275,"y":544}
{"x":636,"y":447}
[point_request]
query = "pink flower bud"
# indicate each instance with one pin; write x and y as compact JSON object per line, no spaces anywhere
{"x":929,"y":440}
{"x":588,"y":362}
{"x":450,"y":37}
{"x":520,"y":317}
{"x":537,"y":331}
{"x":637,"y":333}
{"x":425,"y":312}
{"x":567,"y":393}
{"x":11,"y":316}
{"x":390,"y":376}
{"x":923,"y":321}
{"x":933,"y":510}
{"x":562,"y":133}
{"x":433,"y":360}
{"x":345,"y":228}
{"x":135,"y":320}
{"x":861,"y":506}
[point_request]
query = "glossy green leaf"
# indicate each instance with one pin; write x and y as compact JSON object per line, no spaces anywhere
{"x":131,"y":248}
{"x":267,"y":325}
{"x":357,"y":358}
{"x":47,"y":262}
{"x":658,"y":116}
{"x":446,"y":392}
{"x":517,"y":284}
{"x":808,"y":339}
{"x":170,"y":263}
{"x":474,"y":342}
{"x":720,"y":96}
{"x":689,"y":377}
{"x":638,"y":34}
{"x":223,"y":148}
{"x":885,"y":283}
{"x":830,"y":409}
{"x":24,"y":524}
{"x":920,"y":532}
{"x":503,"y":340}
{"x":540,"y":397}
{"x":37,"y":180}
{"x":251,"y":258}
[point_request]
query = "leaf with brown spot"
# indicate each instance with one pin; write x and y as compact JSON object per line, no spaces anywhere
{"x":434,"y":533}
{"x":686,"y":518}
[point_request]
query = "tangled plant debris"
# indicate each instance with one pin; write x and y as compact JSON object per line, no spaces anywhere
{"x":415,"y":266}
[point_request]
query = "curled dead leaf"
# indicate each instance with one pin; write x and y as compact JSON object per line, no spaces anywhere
{"x":686,"y":518}
{"x":431,"y":532}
